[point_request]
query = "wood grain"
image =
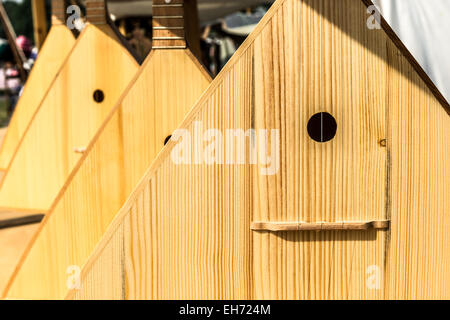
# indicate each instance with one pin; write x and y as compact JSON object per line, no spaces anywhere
{"x":168,"y":24}
{"x":96,"y":12}
{"x":67,"y":119}
{"x":157,"y":100}
{"x":419,"y":188}
{"x":21,"y":221}
{"x":13,"y":242}
{"x":53,"y":54}
{"x":185,"y":231}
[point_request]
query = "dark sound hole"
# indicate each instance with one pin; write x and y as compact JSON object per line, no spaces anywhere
{"x":322,"y":127}
{"x":99,"y":96}
{"x":167,"y":140}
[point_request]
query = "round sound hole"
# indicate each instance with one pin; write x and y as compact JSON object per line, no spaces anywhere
{"x":167,"y":140}
{"x":322,"y":127}
{"x":99,"y":96}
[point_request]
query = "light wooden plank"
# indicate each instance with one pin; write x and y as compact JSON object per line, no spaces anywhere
{"x":157,"y":100}
{"x":13,"y":242}
{"x":419,"y":189}
{"x":54,"y":52}
{"x":39,"y":22}
{"x":318,"y":226}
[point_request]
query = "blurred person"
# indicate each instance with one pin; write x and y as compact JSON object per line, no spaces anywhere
{"x":140,"y":42}
{"x":13,"y":85}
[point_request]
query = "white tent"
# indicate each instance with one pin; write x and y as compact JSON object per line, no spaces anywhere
{"x":210,"y":10}
{"x":424,"y":28}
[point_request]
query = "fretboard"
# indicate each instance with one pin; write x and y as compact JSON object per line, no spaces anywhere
{"x":58,"y":12}
{"x":96,"y":12}
{"x":168,"y":24}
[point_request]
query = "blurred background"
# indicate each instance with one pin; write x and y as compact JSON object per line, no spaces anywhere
{"x":223,"y":26}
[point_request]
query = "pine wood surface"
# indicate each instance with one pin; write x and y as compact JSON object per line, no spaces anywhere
{"x":168,"y":84}
{"x":53,"y":52}
{"x":67,"y":119}
{"x":185,"y":231}
{"x":57,"y":46}
{"x":419,"y":191}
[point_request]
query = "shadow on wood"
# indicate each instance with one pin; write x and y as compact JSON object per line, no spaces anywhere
{"x":52,"y":56}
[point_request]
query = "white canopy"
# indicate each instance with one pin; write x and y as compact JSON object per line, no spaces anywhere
{"x":424,"y":27}
{"x":209,"y":10}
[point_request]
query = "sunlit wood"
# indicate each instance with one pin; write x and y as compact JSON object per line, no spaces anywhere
{"x":170,"y":81}
{"x":185,"y":233}
{"x":86,"y":88}
{"x":52,"y":55}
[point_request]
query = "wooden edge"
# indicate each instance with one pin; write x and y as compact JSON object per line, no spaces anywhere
{"x":408,"y":55}
{"x":74,"y":171}
{"x":111,"y":30}
{"x":14,"y":115}
{"x":106,"y":122}
{"x":200,"y":65}
{"x":83,"y":158}
{"x":22,"y":221}
{"x":69,"y":55}
{"x":21,"y":210}
{"x":19,"y":144}
{"x":320,"y":226}
{"x":165,"y":152}
{"x":115,"y":224}
{"x":197,"y":107}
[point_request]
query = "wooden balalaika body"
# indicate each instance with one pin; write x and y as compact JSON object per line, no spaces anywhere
{"x":349,"y":200}
{"x":52,"y":55}
{"x":357,"y":209}
{"x":157,"y":100}
{"x":87,"y":86}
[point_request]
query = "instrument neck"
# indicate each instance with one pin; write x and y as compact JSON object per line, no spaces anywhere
{"x":168,"y":24}
{"x":96,"y":12}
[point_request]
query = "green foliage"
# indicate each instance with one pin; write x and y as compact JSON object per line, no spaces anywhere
{"x":21,"y":17}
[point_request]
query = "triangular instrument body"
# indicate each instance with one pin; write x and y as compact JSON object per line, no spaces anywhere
{"x":163,"y":92}
{"x":93,"y":77}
